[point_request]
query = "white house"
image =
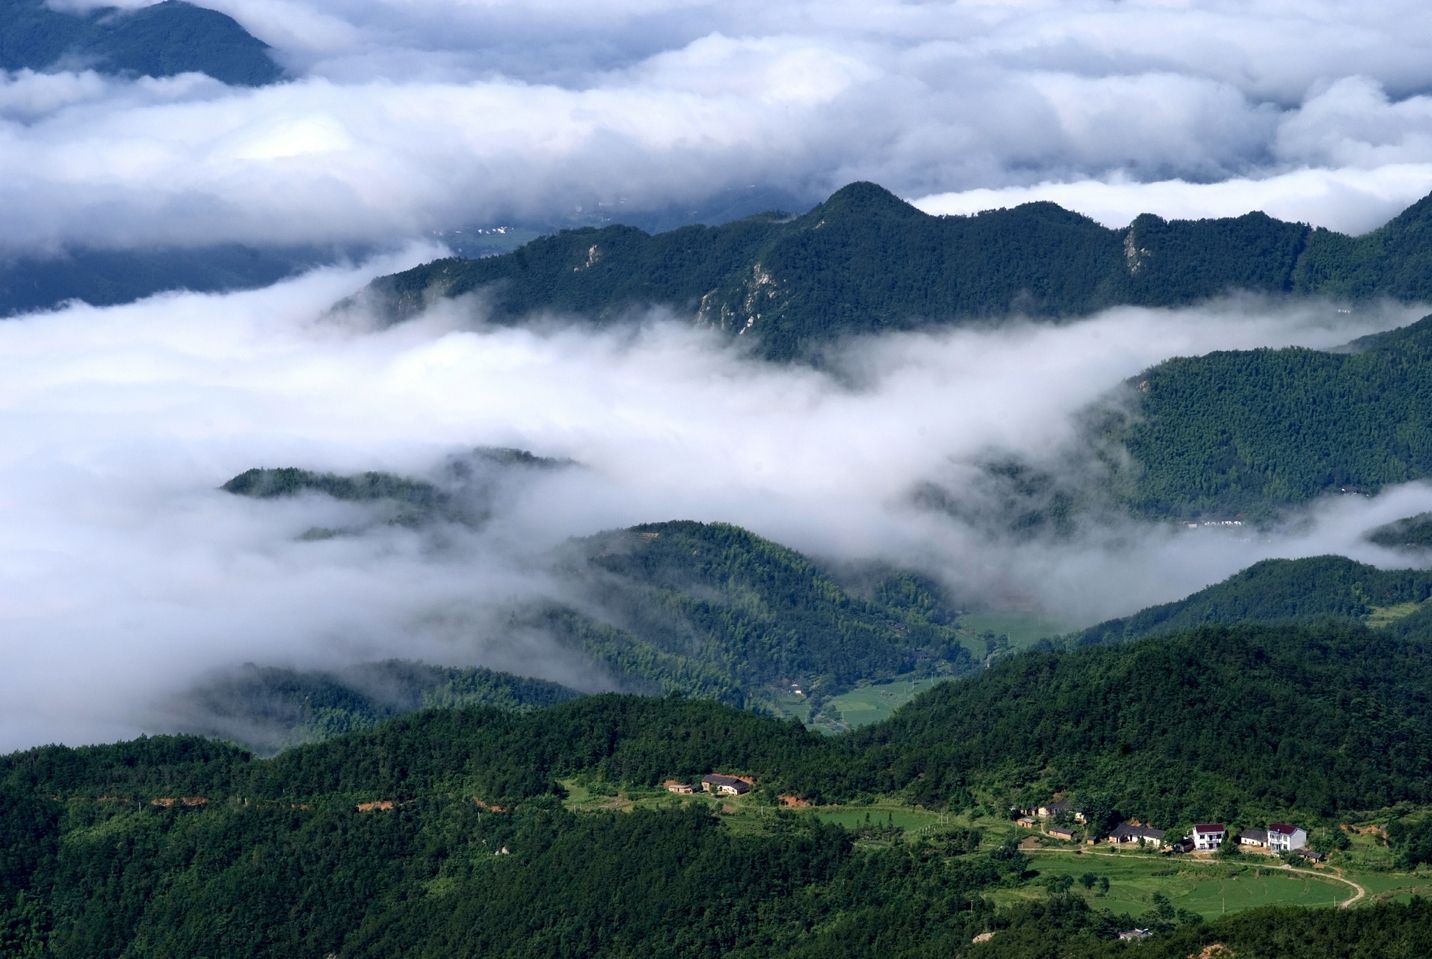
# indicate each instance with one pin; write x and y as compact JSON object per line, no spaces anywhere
{"x":1283,"y":837}
{"x":1127,"y":832}
{"x":1257,"y":838}
{"x":1208,"y":835}
{"x":1057,"y":807}
{"x":1054,"y":807}
{"x":724,"y":785}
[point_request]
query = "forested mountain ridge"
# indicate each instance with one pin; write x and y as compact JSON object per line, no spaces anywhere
{"x":1276,"y":590}
{"x":755,"y":616}
{"x":1408,"y":533}
{"x":160,"y":40}
{"x":1160,"y":728}
{"x":1254,"y":431}
{"x":269,"y":708}
{"x":865,"y":262}
{"x":1336,"y":715}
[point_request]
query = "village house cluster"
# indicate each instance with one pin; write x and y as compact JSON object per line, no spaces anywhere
{"x":1278,"y":837}
{"x":714,"y":783}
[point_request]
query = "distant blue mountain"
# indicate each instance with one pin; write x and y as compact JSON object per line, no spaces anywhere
{"x":162,"y":40}
{"x":107,"y":277}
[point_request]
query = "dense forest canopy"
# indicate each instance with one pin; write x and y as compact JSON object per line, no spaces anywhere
{"x":441,"y":833}
{"x":1252,"y":431}
{"x":1163,"y":727}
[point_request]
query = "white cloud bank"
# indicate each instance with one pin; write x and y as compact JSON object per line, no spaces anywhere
{"x":125,"y":574}
{"x":421,"y":115}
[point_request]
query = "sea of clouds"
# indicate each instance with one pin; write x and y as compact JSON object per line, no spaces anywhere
{"x":404,"y":118}
{"x":126,"y":575}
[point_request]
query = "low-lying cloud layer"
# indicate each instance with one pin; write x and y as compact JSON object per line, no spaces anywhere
{"x":125,"y":573}
{"x":409,"y":117}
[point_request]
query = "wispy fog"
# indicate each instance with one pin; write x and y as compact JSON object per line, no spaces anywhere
{"x":125,"y":573}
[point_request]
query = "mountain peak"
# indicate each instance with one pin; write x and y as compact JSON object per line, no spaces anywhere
{"x":863,"y":198}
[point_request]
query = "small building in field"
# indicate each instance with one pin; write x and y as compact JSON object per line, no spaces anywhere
{"x":679,"y":787}
{"x":1284,"y":837}
{"x":1127,"y":832}
{"x":1257,"y":838}
{"x":1182,"y":845}
{"x":719,"y":785}
{"x":1028,"y":822}
{"x":1208,"y":836}
{"x":1059,"y":832}
{"x":1058,"y":807}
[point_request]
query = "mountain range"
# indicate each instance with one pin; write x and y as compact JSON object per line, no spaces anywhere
{"x":864,"y":262}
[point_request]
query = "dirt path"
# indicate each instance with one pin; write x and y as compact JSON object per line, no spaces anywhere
{"x":1336,"y":875}
{"x":1358,"y":891}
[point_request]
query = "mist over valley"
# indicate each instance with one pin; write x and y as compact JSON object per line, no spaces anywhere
{"x":669,"y":478}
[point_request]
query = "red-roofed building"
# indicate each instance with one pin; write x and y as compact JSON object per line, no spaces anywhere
{"x":1283,"y":837}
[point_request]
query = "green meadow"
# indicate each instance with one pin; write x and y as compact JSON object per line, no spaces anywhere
{"x":1208,"y":887}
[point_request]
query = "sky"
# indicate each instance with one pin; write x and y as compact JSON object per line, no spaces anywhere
{"x":406,"y":117}
{"x":126,"y":575}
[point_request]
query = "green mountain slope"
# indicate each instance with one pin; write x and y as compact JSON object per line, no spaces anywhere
{"x":1252,"y":431}
{"x":161,"y":40}
{"x":269,"y":708}
{"x":33,"y":282}
{"x":1410,"y":533}
{"x":1210,"y":724}
{"x":714,"y":610}
{"x":864,"y":261}
{"x":1276,"y":590}
{"x":439,"y":834}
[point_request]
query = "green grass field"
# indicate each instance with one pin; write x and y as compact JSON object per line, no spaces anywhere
{"x":871,"y":704}
{"x":1382,"y":615}
{"x":1207,"y":887}
{"x":1023,"y":629}
{"x":914,"y":821}
{"x":1392,"y":886}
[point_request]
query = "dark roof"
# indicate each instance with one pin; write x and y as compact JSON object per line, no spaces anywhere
{"x":716,"y":779}
{"x":1057,"y":805}
{"x":1283,"y":828}
{"x":1128,"y":831}
{"x":1261,"y":835}
{"x":1209,"y":827}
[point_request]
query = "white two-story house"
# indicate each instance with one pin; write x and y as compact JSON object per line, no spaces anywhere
{"x":1283,"y":837}
{"x":1208,"y":835}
